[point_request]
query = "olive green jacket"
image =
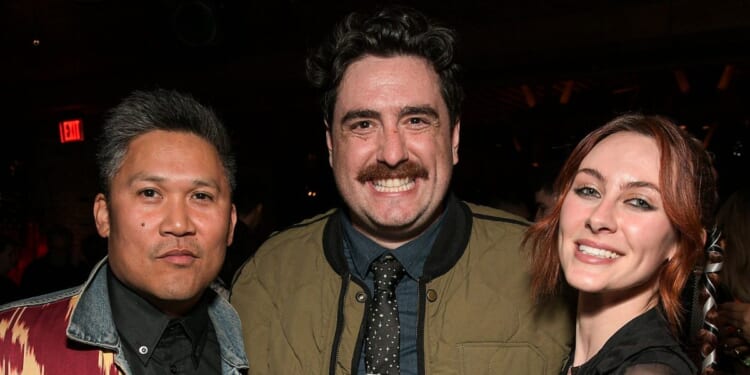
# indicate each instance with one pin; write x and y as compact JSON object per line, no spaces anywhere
{"x":303,"y":313}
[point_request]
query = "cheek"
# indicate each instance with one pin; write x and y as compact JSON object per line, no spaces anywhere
{"x":656,"y":237}
{"x":569,"y":216}
{"x":560,"y":252}
{"x":354,"y":157}
{"x":668,"y":241}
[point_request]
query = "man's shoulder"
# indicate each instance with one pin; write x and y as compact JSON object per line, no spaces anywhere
{"x":44,"y":302}
{"x":41,"y":315}
{"x":305,"y":231}
{"x":295,"y":251}
{"x":495,"y":231}
{"x":494,"y":216}
{"x":34,"y":335}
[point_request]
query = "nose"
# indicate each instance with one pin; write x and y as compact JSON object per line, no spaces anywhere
{"x":602,"y":217}
{"x":177,"y":221}
{"x":392,"y":149}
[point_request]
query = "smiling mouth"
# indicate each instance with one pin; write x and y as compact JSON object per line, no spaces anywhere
{"x":394,"y":185}
{"x":599,"y":253}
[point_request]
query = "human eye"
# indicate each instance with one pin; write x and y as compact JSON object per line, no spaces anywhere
{"x":203,"y":196}
{"x":640,"y":203}
{"x":148,"y":193}
{"x":587,"y":192}
{"x":418,"y":122}
{"x":361,"y":126}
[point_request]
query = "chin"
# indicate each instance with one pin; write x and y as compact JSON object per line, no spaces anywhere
{"x":586,"y":285}
{"x":179,"y":290}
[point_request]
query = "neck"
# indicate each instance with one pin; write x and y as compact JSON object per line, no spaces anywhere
{"x":174,"y":309}
{"x":394,"y":237}
{"x":600,"y":316}
{"x":171,"y":308}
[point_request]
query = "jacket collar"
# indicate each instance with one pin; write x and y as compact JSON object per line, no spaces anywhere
{"x":91,"y":320}
{"x":448,"y":248}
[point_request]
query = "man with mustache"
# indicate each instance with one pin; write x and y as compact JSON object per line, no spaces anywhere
{"x":406,"y":279}
{"x":167,"y":176}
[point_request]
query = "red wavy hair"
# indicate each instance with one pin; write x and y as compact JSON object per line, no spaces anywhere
{"x":688,"y":188}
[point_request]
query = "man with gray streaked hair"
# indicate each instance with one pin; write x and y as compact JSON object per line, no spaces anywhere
{"x":167,"y":175}
{"x":144,"y":111}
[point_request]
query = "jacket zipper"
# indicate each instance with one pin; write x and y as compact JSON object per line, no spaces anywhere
{"x":420,"y":326}
{"x":339,"y":324}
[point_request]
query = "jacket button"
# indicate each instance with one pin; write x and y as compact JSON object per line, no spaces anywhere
{"x":361,"y":297}
{"x":431,"y":295}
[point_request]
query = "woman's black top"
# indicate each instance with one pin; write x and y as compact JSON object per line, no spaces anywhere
{"x":643,"y":346}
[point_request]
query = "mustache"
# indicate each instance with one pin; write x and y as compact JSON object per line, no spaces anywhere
{"x":381,"y":171}
{"x":190,"y":245}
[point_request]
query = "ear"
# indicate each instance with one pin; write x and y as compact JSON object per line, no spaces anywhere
{"x":329,"y":142}
{"x":232,"y":223}
{"x":101,"y":215}
{"x":455,"y":135}
{"x":672,"y":252}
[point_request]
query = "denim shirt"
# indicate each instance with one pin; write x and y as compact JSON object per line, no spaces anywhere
{"x":91,"y":322}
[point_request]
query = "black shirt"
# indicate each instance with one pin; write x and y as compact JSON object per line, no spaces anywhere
{"x":642,"y":346}
{"x":154,"y":343}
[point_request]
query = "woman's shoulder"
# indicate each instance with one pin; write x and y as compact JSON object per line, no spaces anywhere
{"x":659,"y":361}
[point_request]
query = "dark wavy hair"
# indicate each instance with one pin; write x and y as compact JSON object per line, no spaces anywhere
{"x":688,"y":188}
{"x":160,"y":109}
{"x":392,"y":31}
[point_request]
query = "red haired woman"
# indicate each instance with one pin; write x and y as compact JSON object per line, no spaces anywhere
{"x":636,"y":197}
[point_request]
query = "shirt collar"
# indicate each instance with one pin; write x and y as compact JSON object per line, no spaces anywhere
{"x":140,"y":324}
{"x":411,"y":255}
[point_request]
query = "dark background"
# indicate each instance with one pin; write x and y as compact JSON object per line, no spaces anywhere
{"x":246,"y":59}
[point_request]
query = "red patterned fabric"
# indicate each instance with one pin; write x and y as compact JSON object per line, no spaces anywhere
{"x":33,"y":342}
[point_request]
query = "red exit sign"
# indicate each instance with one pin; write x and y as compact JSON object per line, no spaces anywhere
{"x":71,"y":131}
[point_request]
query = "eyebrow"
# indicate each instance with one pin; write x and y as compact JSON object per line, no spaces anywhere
{"x":419,"y":110}
{"x":144,"y":177}
{"x":642,"y":184}
{"x":630,"y":185}
{"x":592,"y":172}
{"x":406,"y":111}
{"x":360,"y":113}
{"x":158,"y":179}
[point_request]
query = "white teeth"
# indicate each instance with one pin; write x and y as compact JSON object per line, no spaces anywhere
{"x":599,"y":253}
{"x":393,"y":185}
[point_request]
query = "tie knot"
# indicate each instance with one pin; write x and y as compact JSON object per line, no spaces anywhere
{"x":387,"y":272}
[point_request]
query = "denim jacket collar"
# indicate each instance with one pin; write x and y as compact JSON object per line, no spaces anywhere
{"x":91,"y":322}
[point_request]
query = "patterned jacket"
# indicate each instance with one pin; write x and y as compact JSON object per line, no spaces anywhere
{"x":72,"y":332}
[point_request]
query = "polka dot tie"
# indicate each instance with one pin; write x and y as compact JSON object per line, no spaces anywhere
{"x":382,"y":340}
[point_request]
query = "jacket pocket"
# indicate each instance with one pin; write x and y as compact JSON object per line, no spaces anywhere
{"x":500,"y":358}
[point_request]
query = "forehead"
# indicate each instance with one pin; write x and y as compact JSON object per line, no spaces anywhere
{"x":625,"y":152}
{"x":397,"y":80}
{"x":164,"y":141}
{"x":160,"y":151}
